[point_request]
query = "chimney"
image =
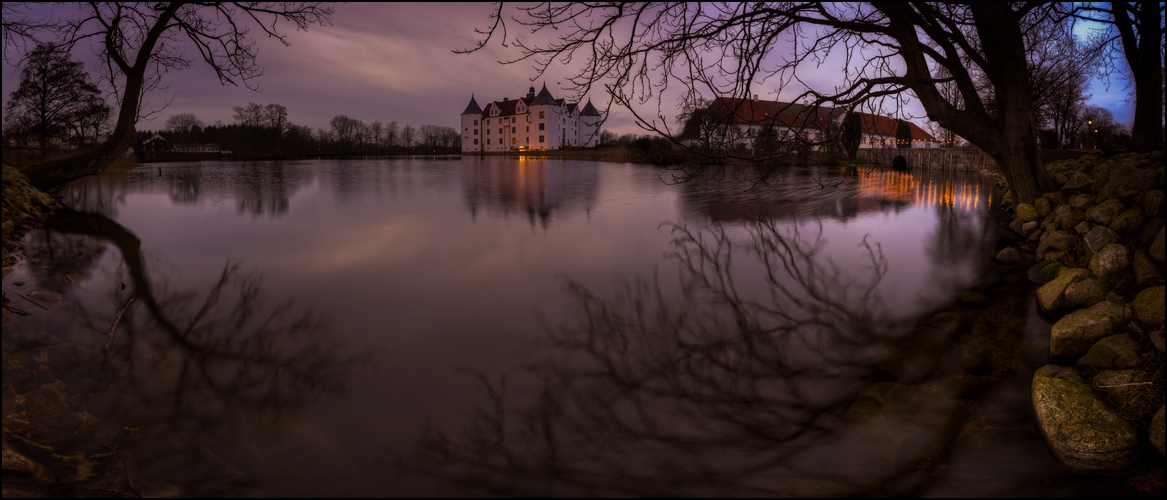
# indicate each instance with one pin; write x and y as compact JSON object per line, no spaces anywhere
{"x":755,"y":97}
{"x":505,"y":99}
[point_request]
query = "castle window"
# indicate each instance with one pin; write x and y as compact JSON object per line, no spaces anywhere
{"x":488,"y":122}
{"x":513,"y":140}
{"x":540,"y":138}
{"x":476,"y":122}
{"x":475,"y":142}
{"x":541,"y":115}
{"x":528,"y":128}
{"x":541,"y":126}
{"x":513,"y":129}
{"x":500,"y":130}
{"x":513,"y":119}
{"x":475,"y":131}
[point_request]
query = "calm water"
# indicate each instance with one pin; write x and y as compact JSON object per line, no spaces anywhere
{"x":405,"y":327}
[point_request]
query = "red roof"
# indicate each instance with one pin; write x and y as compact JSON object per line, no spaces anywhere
{"x":794,"y":115}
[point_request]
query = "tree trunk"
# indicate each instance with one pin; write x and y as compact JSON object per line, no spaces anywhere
{"x":1016,"y":147}
{"x":1147,"y":131}
{"x":48,"y":175}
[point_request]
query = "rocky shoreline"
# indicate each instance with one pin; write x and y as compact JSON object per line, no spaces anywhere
{"x":1098,"y":244}
{"x":70,"y":426}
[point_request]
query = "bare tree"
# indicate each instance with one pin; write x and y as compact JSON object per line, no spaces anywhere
{"x":407,"y":135}
{"x":391,"y":134}
{"x":276,"y":117}
{"x":891,"y":49}
{"x":183,"y":123}
{"x":139,"y":43}
{"x":376,"y":131}
{"x":54,"y":90}
{"x":1134,"y":35}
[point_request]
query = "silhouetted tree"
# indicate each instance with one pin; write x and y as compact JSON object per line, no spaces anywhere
{"x":54,"y":93}
{"x":137,"y":44}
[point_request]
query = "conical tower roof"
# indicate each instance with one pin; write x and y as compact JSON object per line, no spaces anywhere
{"x":589,"y":110}
{"x":544,"y":97}
{"x":472,"y":108}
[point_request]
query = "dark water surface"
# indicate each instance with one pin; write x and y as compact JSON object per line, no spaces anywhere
{"x":406,"y":327}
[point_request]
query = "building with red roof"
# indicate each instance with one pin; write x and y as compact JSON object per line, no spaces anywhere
{"x":745,"y":119}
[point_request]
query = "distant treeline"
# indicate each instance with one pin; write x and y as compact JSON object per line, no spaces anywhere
{"x":263,"y":131}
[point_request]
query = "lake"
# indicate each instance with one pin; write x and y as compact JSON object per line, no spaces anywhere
{"x":539,"y":326}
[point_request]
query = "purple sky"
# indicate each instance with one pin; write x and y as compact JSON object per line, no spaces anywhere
{"x":393,"y":62}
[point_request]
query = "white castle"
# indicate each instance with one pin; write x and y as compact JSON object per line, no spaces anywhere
{"x":535,"y":122}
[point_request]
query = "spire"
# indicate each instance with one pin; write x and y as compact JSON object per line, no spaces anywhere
{"x":531,"y":92}
{"x":589,"y":110}
{"x":544,"y":97}
{"x":472,"y":108}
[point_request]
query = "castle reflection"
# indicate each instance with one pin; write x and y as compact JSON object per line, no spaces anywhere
{"x":536,"y":187}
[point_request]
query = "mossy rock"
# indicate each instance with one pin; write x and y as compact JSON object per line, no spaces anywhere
{"x":1148,"y":306}
{"x":1026,"y":212}
{"x":1084,"y":434}
{"x":1073,"y":335}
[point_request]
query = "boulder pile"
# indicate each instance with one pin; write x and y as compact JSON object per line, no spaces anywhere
{"x":1098,"y":246}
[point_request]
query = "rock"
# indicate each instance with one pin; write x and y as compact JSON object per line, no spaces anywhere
{"x":1043,"y":206}
{"x":1071,"y":218}
{"x":50,"y":415}
{"x":1110,"y":262}
{"x":1148,"y":306}
{"x":1073,"y":335}
{"x":1104,"y":213}
{"x":70,"y":361}
{"x":1146,"y":270}
{"x":164,"y":453}
{"x":1082,"y":201}
{"x":1150,"y":229}
{"x":1127,"y":187}
{"x":1084,"y":434}
{"x":1086,"y":293}
{"x":1057,"y":240}
{"x":1156,"y":249}
{"x":45,"y":295}
{"x":1153,"y":203}
{"x":1115,"y":351}
{"x":1156,"y":339}
{"x":1043,"y":272}
{"x":1008,"y":255}
{"x":1059,"y":178}
{"x":1155,"y":432}
{"x":1077,"y":181}
{"x":1016,"y":226}
{"x":16,"y":464}
{"x":1034,"y":237}
{"x":1127,"y":391}
{"x":1026,"y":212}
{"x":971,"y":298}
{"x":1052,"y":296}
{"x":17,"y":366}
{"x":1028,"y":227}
{"x":1097,"y":238}
{"x":1130,"y":221}
{"x":1082,"y":227}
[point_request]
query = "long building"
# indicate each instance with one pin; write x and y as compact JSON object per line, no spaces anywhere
{"x":746,"y":118}
{"x":536,"y":122}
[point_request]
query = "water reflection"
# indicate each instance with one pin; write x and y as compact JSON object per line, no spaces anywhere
{"x":258,"y":189}
{"x":744,"y":380}
{"x":536,"y":188}
{"x":836,"y":193}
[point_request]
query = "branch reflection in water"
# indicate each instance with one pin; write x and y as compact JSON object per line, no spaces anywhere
{"x":754,"y":378}
{"x":208,"y":360}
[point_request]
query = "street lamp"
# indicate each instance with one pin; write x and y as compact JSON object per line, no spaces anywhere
{"x":1089,"y":125}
